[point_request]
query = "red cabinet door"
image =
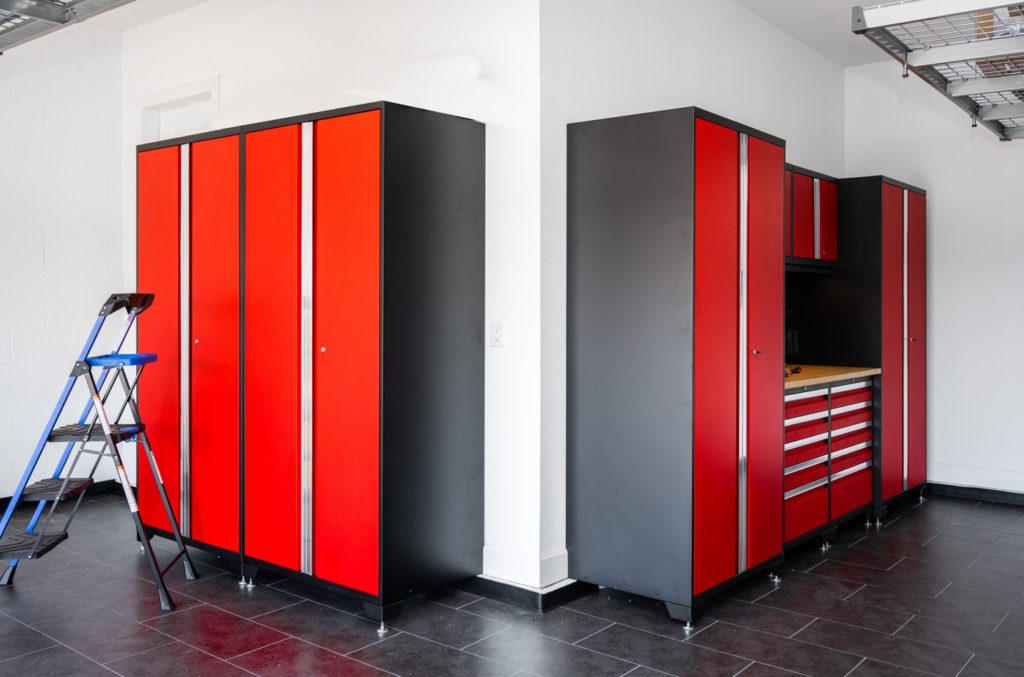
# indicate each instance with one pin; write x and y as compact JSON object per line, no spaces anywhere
{"x":715,"y":347}
{"x":787,"y":216}
{"x":917,"y":451}
{"x":803,"y":216}
{"x":159,"y":253}
{"x":214,"y":377}
{"x":765,"y":331}
{"x":346,"y":356}
{"x":828,"y":235}
{"x":273,"y":195}
{"x":892,"y":341}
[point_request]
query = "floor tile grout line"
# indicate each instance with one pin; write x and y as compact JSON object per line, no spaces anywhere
{"x":743,"y":669}
{"x":943,"y":590}
{"x":553,"y":639}
{"x":70,"y":648}
{"x":971,"y":658}
{"x":847,"y":598}
{"x":803,"y":628}
{"x":903,"y":625}
{"x":855,"y":667}
{"x":492,"y":634}
{"x":902,"y":557}
{"x":1005,"y":616}
{"x":933,"y":537}
{"x":694,"y":634}
{"x":259,"y":648}
{"x":576,"y":643}
{"x":29,"y":653}
{"x":191,"y":646}
{"x":971,"y":565}
{"x":745,"y":658}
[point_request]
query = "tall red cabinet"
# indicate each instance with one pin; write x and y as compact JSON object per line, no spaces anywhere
{"x":319,"y":317}
{"x":883,"y":286}
{"x":675,"y":354}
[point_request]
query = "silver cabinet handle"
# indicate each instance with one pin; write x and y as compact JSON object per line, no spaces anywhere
{"x":323,"y":349}
{"x":755,"y":352}
{"x":196,"y":341}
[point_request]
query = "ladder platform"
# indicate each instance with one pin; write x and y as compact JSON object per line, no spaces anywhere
{"x":112,"y":360}
{"x":48,"y":489}
{"x":21,"y":544}
{"x":79,"y":432}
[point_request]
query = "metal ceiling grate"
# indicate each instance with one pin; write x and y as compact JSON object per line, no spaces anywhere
{"x":24,"y":20}
{"x":970,"y":50}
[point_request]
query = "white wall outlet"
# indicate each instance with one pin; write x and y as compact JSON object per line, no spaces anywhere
{"x":497,"y":335}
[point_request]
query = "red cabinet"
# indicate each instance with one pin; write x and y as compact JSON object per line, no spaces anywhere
{"x":330,"y":397}
{"x":812,"y":215}
{"x":892,"y":341}
{"x":916,"y":344}
{"x":214,"y":359}
{"x":675,"y":354}
{"x":159,"y":214}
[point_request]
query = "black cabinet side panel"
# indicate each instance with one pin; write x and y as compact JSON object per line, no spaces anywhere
{"x":629,"y":353}
{"x":433,"y":351}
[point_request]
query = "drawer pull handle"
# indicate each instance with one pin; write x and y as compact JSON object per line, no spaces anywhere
{"x":807,"y":487}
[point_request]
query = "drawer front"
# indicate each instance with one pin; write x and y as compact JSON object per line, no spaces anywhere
{"x":805,"y":512}
{"x":803,"y":456}
{"x":851,"y":441}
{"x":808,"y":406}
{"x":806,"y":433}
{"x":804,"y":476}
{"x":851,"y":489}
{"x":852,"y":401}
{"x":851,"y":421}
{"x":845,"y":461}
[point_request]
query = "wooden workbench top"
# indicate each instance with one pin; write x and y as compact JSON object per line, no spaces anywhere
{"x":816,"y":374}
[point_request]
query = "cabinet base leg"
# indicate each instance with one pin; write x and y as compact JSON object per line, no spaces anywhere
{"x":381,"y":613}
{"x":688,"y":615}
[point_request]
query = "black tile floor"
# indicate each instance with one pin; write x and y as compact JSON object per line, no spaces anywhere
{"x":938,"y":590}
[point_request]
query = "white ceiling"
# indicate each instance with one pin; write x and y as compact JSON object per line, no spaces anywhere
{"x":821,"y":24}
{"x":141,"y":12}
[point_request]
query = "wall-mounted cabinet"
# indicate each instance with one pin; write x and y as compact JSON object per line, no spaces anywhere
{"x":319,"y":318}
{"x":811,"y":217}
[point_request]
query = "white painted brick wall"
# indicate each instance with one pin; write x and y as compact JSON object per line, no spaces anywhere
{"x":60,"y":225}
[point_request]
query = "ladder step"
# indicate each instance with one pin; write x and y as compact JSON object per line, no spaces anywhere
{"x":20,"y":544}
{"x":79,"y":432}
{"x":120,"y":360}
{"x":47,"y":490}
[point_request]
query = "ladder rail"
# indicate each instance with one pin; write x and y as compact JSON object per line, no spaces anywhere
{"x":44,"y":438}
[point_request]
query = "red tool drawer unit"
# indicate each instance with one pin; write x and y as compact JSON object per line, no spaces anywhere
{"x":675,"y":293}
{"x":829,"y":456}
{"x":319,"y":288}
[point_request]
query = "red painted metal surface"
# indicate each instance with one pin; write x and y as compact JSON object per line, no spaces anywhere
{"x":715,"y":346}
{"x":273,"y":195}
{"x":851,"y":459}
{"x":805,"y":512}
{"x":787,"y":215}
{"x":801,"y":431}
{"x":859,"y":396}
{"x":840,"y":421}
{"x":765,"y":333}
{"x":828,"y":239}
{"x":917,"y":452}
{"x":892,"y":341}
{"x":806,"y":453}
{"x":214,"y":396}
{"x":850,"y":439}
{"x":795,"y":480}
{"x":803,"y":216}
{"x":812,"y":405}
{"x":851,"y":493}
{"x":159,"y":223}
{"x":346,"y":461}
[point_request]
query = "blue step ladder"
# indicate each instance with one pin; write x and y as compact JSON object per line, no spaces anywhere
{"x":94,"y":425}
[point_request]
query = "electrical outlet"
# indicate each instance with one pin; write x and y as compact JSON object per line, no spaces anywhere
{"x":497,"y":335}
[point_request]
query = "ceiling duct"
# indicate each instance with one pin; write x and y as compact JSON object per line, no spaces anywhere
{"x":969,"y":50}
{"x":24,"y":20}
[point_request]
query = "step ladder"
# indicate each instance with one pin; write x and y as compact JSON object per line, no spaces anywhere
{"x":93,"y":426}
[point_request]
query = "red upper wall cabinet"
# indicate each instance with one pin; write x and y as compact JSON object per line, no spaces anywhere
{"x":332,"y":313}
{"x":812,"y":215}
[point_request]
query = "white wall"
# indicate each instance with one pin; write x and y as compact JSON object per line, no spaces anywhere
{"x":601,"y":58}
{"x":904,"y":129}
{"x":60,"y":225}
